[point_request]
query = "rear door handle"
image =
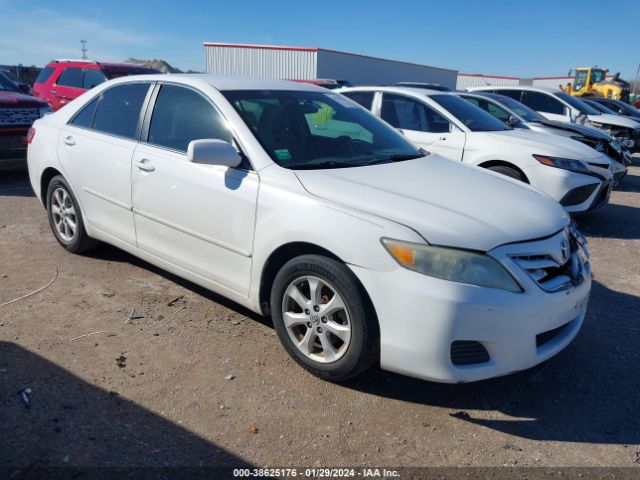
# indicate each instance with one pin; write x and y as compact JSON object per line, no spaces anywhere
{"x":68,"y":140}
{"x":144,"y":165}
{"x":53,"y":92}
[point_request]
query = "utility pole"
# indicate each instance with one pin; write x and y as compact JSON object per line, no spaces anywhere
{"x":84,"y":49}
{"x":635,"y":83}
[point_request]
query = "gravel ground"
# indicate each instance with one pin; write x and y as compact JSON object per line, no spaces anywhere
{"x":193,"y":379}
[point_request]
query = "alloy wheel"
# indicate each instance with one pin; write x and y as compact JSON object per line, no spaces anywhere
{"x":64,"y":215}
{"x":316,"y":319}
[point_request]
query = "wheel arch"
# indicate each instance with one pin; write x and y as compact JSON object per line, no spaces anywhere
{"x":282,"y":255}
{"x":504,"y":163}
{"x":45,"y":179}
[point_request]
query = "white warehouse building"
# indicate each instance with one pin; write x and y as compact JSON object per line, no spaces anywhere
{"x":301,"y":63}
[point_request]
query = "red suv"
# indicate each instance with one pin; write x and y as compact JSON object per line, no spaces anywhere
{"x":17,"y":112}
{"x":63,"y":80}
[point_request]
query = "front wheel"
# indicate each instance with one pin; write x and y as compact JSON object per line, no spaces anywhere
{"x":323,"y":317}
{"x":65,"y":217}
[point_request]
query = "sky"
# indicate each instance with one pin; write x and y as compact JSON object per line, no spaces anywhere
{"x":514,"y":38}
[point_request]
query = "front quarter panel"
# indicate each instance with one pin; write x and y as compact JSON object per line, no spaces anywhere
{"x":287,"y":214}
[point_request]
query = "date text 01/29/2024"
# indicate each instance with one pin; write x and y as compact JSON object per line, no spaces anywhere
{"x":317,"y":472}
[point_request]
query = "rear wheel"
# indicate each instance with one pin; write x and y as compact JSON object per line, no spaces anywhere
{"x":323,"y":317}
{"x":508,"y":171}
{"x":65,"y":217}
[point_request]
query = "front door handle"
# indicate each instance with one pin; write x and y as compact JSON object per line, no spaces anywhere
{"x":442,"y":138}
{"x":68,"y":140}
{"x":144,"y":165}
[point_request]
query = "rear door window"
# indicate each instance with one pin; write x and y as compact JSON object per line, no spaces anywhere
{"x":118,"y":111}
{"x":84,"y":118}
{"x":542,"y":102}
{"x":409,"y":114}
{"x":515,"y":94}
{"x":92,"y":77}
{"x":71,"y":77}
{"x":363,"y":98}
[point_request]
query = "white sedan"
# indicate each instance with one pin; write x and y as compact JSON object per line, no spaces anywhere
{"x":443,"y":123}
{"x":296,"y":202}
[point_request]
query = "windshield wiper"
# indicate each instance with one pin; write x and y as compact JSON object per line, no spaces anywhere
{"x":393,"y":158}
{"x":317,"y":166}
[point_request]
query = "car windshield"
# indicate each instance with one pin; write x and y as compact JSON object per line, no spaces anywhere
{"x":576,"y":103}
{"x":518,"y":108}
{"x":6,"y":85}
{"x":473,"y":117}
{"x":317,"y":130}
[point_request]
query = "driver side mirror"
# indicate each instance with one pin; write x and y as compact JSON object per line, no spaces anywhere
{"x":213,"y":152}
{"x":512,"y":121}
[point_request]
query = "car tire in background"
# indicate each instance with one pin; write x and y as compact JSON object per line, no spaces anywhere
{"x":509,"y":172}
{"x":324,"y":318}
{"x":65,"y":217}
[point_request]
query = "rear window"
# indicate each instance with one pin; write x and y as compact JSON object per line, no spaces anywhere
{"x":45,"y":73}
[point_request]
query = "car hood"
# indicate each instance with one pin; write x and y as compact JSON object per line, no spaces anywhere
{"x":578,"y":128}
{"x":19,"y":100}
{"x":618,"y":121}
{"x":546,"y":144}
{"x":446,"y":202}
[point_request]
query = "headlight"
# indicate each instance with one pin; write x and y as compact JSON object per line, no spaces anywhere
{"x":563,"y":163}
{"x":451,"y":264}
{"x":44,"y":110}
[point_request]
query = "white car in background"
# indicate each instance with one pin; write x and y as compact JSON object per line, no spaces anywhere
{"x":296,"y":202}
{"x":558,"y":105}
{"x":518,"y":115}
{"x":444,"y":123}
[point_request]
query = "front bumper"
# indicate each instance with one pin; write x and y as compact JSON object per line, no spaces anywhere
{"x":421,"y":317}
{"x":576,"y":192}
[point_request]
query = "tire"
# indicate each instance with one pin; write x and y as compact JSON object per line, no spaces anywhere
{"x":331,"y":342}
{"x":64,"y":212}
{"x":509,"y":172}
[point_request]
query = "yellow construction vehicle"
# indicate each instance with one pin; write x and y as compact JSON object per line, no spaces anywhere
{"x":593,"y":82}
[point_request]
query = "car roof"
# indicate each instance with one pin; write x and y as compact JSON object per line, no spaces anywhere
{"x":514,"y":87}
{"x":224,"y":82}
{"x":420,"y":92}
{"x":82,"y":62}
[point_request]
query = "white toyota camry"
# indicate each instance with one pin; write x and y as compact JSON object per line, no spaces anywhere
{"x":443,"y":123}
{"x":296,"y":202}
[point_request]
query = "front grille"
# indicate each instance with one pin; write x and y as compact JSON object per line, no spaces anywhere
{"x":467,"y":352}
{"x":578,"y":195}
{"x":563,"y":266}
{"x":18,"y":116}
{"x":549,"y":335}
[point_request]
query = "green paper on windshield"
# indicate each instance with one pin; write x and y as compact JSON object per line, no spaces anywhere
{"x":283,"y":154}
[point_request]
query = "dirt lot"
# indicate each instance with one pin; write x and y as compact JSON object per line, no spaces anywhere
{"x":156,"y":390}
